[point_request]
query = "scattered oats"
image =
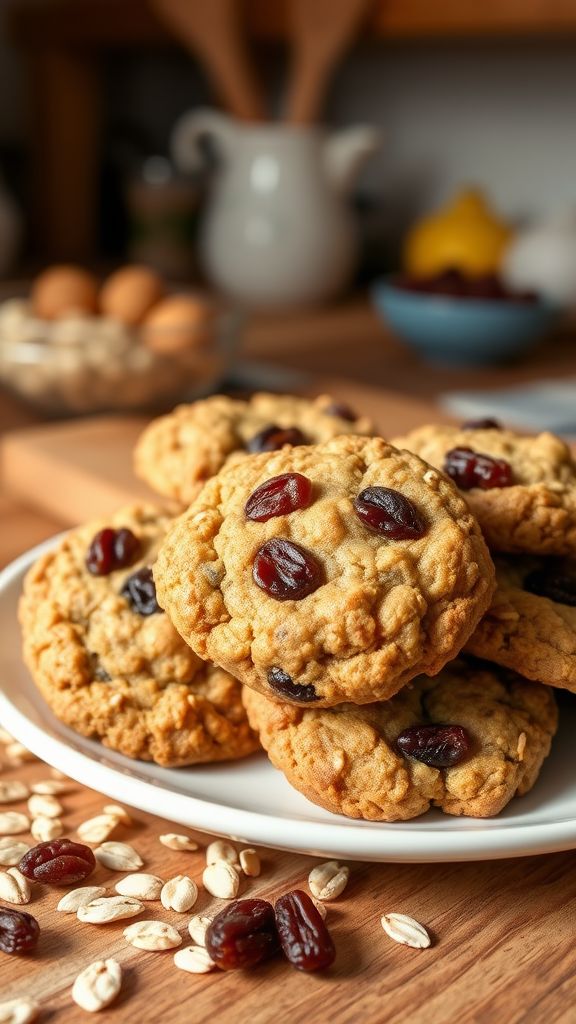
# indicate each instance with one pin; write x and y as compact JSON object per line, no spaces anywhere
{"x":12,"y":823}
{"x":43,"y":829}
{"x":19,"y":754}
{"x":118,"y":857}
{"x":5,"y":736}
{"x":97,"y":829}
{"x":18,"y":1011}
{"x":141,"y":886}
{"x":14,"y":887}
{"x":405,"y":930}
{"x":250,"y":863}
{"x":152,"y":935}
{"x":11,"y":791}
{"x":119,"y":812}
{"x":521,"y":746}
{"x":175,"y":841}
{"x":221,"y":880}
{"x":12,"y":851}
{"x":198,"y":926}
{"x":179,"y":893}
{"x":50,"y":787}
{"x":97,"y":985}
{"x":42,"y":805}
{"x":219,"y":850}
{"x":327,"y":881}
{"x":109,"y":908}
{"x":76,"y":898}
{"x":194,"y":959}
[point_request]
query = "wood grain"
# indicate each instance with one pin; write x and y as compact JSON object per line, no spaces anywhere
{"x":503,"y":943}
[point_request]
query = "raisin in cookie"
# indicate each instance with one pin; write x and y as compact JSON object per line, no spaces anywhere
{"x":109,"y":662}
{"x":531,"y":624}
{"x":521,"y":489}
{"x":327,"y":573}
{"x":467,"y":742}
{"x":177,"y":453}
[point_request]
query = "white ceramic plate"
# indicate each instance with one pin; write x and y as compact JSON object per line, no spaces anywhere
{"x":252,"y":802}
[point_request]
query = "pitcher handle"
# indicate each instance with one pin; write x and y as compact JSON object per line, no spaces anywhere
{"x":191,"y":128}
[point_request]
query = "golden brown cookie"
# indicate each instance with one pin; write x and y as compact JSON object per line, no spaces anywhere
{"x":109,"y":662}
{"x":316,"y":605}
{"x":531,"y":624}
{"x":535,"y":512}
{"x":177,"y":453}
{"x":347,"y":758}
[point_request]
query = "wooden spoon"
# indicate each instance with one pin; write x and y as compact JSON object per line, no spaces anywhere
{"x":211,"y":28}
{"x":322,"y":30}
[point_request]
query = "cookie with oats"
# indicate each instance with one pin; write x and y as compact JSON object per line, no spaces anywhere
{"x":355,"y":761}
{"x":531,"y":623}
{"x":177,"y":453}
{"x":329,"y":573}
{"x":521,"y":489}
{"x":109,"y":662}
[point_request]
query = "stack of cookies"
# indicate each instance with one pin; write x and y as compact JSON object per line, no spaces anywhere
{"x":318,"y":592}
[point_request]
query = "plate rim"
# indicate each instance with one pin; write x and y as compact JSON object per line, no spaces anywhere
{"x":317,"y":838}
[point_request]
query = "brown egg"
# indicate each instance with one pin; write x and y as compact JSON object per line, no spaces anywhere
{"x":178,"y":322}
{"x":64,"y":289}
{"x":128,"y":294}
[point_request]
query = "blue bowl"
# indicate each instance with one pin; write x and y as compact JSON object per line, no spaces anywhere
{"x":463,"y":331}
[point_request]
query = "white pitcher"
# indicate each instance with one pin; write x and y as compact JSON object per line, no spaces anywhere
{"x":278,"y":231}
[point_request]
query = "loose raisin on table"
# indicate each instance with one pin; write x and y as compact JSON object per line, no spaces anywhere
{"x":112,"y":549}
{"x":284,"y":685}
{"x":390,"y":513}
{"x":274,"y":437}
{"x":439,"y":746}
{"x":469,"y":469}
{"x":19,"y":931}
{"x":304,"y":937}
{"x":140,"y":592}
{"x":242,"y":935}
{"x":286,"y":571}
{"x":58,"y":862}
{"x":552,"y":582}
{"x":279,"y":496}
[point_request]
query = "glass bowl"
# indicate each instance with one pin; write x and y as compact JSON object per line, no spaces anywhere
{"x":80,"y":365}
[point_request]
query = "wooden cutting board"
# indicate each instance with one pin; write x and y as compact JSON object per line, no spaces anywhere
{"x":82,"y":469}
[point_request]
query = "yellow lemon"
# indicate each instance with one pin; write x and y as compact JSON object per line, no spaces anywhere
{"x":467,"y":235}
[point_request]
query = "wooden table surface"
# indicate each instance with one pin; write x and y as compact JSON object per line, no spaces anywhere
{"x":503,"y":931}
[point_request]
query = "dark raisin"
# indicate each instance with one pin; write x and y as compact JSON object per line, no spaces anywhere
{"x":473,"y":469}
{"x":488,"y":423}
{"x":342,"y":410}
{"x":19,"y":932}
{"x":286,"y":571}
{"x":112,"y":549}
{"x":554,"y":583}
{"x":242,"y":935}
{"x":274,"y":437}
{"x":140,"y":592}
{"x":304,"y":937}
{"x":279,"y":496}
{"x":284,"y":685}
{"x":58,"y":862}
{"x":439,"y":746}
{"x":388,"y":512}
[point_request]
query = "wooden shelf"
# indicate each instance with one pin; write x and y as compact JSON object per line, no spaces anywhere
{"x":97,"y":23}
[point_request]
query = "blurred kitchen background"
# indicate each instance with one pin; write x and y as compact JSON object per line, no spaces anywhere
{"x":383,"y":191}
